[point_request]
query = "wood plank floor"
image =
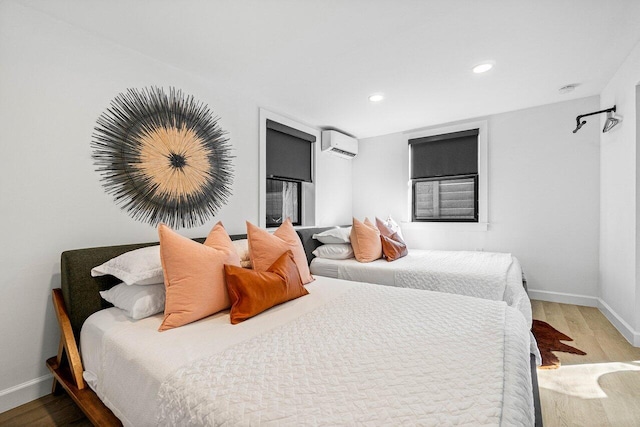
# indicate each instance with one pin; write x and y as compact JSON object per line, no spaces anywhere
{"x":599,"y":389}
{"x":47,"y":411}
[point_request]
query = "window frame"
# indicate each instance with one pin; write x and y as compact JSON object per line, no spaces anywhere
{"x":483,"y":173}
{"x":414,"y":217}
{"x":308,"y":202}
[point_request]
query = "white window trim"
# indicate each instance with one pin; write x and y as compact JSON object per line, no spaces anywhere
{"x":483,"y":176}
{"x":308,"y":192}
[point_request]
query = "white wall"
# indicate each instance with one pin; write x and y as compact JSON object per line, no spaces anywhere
{"x":55,"y":81}
{"x":334,"y":194}
{"x":619,"y":213}
{"x":543,"y":197}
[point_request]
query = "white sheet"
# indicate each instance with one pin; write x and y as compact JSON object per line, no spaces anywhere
{"x":326,"y":267}
{"x":486,"y":275}
{"x":134,"y":359}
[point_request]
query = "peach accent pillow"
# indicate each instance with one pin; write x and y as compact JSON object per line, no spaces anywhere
{"x":265,"y":248}
{"x":194,"y":275}
{"x":254,"y":292}
{"x":365,"y":239}
{"x":218,"y":238}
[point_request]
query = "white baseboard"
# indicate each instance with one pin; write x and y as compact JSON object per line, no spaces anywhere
{"x":563,"y":298}
{"x":20,"y":394}
{"x":620,"y":324}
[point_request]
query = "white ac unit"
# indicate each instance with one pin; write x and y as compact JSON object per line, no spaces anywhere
{"x":339,"y":144}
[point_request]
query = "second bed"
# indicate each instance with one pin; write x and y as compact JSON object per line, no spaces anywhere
{"x":486,"y":275}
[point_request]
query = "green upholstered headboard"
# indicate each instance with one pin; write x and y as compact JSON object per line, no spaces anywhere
{"x":81,"y":291}
{"x":308,"y":242}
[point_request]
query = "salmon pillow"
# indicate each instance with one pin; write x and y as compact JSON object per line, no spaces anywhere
{"x":265,"y":248}
{"x":194,"y":275}
{"x":393,"y":246}
{"x":365,"y":239}
{"x":253,"y":292}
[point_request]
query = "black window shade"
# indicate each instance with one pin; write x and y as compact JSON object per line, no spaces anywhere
{"x":288,"y":152}
{"x":445,"y":155}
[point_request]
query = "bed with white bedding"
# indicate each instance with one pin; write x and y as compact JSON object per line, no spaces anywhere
{"x":433,"y":340}
{"x":347,"y":353}
{"x":488,"y":275}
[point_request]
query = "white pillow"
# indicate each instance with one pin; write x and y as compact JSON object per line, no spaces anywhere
{"x":137,"y":301}
{"x":138,"y":267}
{"x":242,"y":248}
{"x":393,"y":226}
{"x":334,"y":251}
{"x":334,"y":235}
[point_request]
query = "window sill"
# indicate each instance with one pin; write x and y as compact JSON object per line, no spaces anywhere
{"x":295,"y":227}
{"x":446,"y":226}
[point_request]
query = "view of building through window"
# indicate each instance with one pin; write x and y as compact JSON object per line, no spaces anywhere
{"x":283,"y":201}
{"x":446,"y":198}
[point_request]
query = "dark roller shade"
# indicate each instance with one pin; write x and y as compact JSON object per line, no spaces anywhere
{"x":288,"y":152}
{"x":445,"y":155}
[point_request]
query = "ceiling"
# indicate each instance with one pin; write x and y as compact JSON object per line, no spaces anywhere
{"x":318,"y":61}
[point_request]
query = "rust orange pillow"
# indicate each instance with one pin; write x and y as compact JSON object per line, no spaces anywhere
{"x":194,"y":275}
{"x":393,"y":246}
{"x":253,"y":292}
{"x":365,"y":240}
{"x":265,"y":248}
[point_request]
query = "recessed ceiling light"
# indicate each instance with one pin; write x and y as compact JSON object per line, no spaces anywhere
{"x":483,"y":67}
{"x":376,"y":97}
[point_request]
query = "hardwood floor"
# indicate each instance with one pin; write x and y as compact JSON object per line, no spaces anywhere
{"x":48,"y":411}
{"x":599,"y":389}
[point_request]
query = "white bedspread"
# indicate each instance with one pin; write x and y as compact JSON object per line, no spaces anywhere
{"x":345,"y":353}
{"x":488,"y":275}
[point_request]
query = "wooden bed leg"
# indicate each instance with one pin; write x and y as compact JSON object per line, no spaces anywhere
{"x":60,"y":350}
{"x":56,"y":388}
{"x":66,"y":368}
{"x":67,"y":342}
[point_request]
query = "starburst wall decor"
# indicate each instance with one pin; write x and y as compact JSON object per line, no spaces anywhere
{"x":163,"y":157}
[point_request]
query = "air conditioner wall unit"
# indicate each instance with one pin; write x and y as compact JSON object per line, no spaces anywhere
{"x":339,"y":144}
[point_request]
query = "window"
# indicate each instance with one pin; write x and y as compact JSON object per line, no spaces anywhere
{"x":452,"y":199}
{"x":283,"y":201}
{"x":288,"y":171}
{"x":444,"y":177}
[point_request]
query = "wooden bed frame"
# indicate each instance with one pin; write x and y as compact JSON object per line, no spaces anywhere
{"x":79,"y":297}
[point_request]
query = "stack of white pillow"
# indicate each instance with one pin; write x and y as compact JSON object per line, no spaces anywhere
{"x":336,"y":244}
{"x":141,"y":293}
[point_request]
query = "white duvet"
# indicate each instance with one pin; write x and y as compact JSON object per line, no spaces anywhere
{"x":488,"y":275}
{"x":346,"y":353}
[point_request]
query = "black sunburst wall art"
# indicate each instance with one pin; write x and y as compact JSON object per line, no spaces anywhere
{"x":163,"y":157}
